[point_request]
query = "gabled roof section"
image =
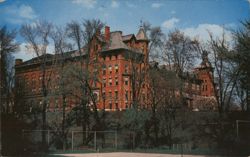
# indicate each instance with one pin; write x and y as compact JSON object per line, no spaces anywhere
{"x":116,"y":41}
{"x":37,"y":59}
{"x":127,"y":37}
{"x":141,"y":35}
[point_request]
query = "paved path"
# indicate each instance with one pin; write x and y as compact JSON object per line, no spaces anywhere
{"x":121,"y":154}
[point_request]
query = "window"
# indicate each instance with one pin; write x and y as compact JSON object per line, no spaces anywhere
{"x":116,"y":68}
{"x":56,"y":104}
{"x":143,"y":97}
{"x":110,"y":95}
{"x":95,"y":96}
{"x":110,"y":106}
{"x":104,"y":69}
{"x":116,"y":81}
{"x":110,"y":69}
{"x":126,"y":69}
{"x":126,"y":95}
{"x":193,"y":86}
{"x":197,"y":87}
{"x":103,"y":95}
{"x":116,"y":95}
{"x":110,"y":81}
{"x":116,"y":106}
{"x":104,"y":82}
{"x":126,"y":81}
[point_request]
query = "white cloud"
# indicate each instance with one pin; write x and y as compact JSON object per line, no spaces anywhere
{"x":86,"y":3}
{"x":248,"y":1}
{"x":169,"y":24}
{"x":2,"y":1}
{"x":19,"y":14}
{"x":114,"y":4}
{"x":156,"y":5}
{"x":173,"y":12}
{"x":25,"y":52}
{"x":202,"y":32}
{"x":26,"y":11}
{"x":130,"y":5}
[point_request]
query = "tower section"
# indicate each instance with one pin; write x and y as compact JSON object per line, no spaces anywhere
{"x":205,"y":74}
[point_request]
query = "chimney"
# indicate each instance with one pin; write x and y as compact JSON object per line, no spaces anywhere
{"x":18,"y":61}
{"x":107,"y":33}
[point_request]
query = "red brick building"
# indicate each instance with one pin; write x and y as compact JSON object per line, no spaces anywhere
{"x":113,"y":57}
{"x":116,"y":54}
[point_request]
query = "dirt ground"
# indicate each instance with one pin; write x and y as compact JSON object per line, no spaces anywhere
{"x":121,"y":154}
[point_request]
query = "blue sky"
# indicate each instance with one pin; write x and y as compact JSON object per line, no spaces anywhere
{"x":194,"y":17}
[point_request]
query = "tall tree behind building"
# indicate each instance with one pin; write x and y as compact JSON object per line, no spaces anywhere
{"x":38,"y":38}
{"x":81,"y":36}
{"x":7,"y":46}
{"x":63,"y":63}
{"x":179,"y":52}
{"x":225,"y":72}
{"x":242,"y":58}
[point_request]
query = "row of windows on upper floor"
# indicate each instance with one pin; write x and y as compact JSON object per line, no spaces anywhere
{"x":116,"y":81}
{"x":116,"y":67}
{"x":116,"y":95}
{"x":40,"y":77}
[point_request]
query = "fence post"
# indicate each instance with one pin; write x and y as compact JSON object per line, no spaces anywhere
{"x":23,"y":133}
{"x":237,"y":129}
{"x":72,"y":140}
{"x":95,"y":140}
{"x":133,"y":140}
{"x":115,"y":139}
{"x":48,"y":138}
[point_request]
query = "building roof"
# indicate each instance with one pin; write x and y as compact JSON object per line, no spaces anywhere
{"x":127,"y":37}
{"x":116,"y":42}
{"x":37,"y":59}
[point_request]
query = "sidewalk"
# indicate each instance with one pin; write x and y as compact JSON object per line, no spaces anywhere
{"x":123,"y":154}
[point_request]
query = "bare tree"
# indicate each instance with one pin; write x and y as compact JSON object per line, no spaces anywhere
{"x":62,"y":47}
{"x":38,"y":38}
{"x":7,"y":46}
{"x":82,"y":36}
{"x":242,"y":57}
{"x":179,"y":51}
{"x":226,"y":73}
